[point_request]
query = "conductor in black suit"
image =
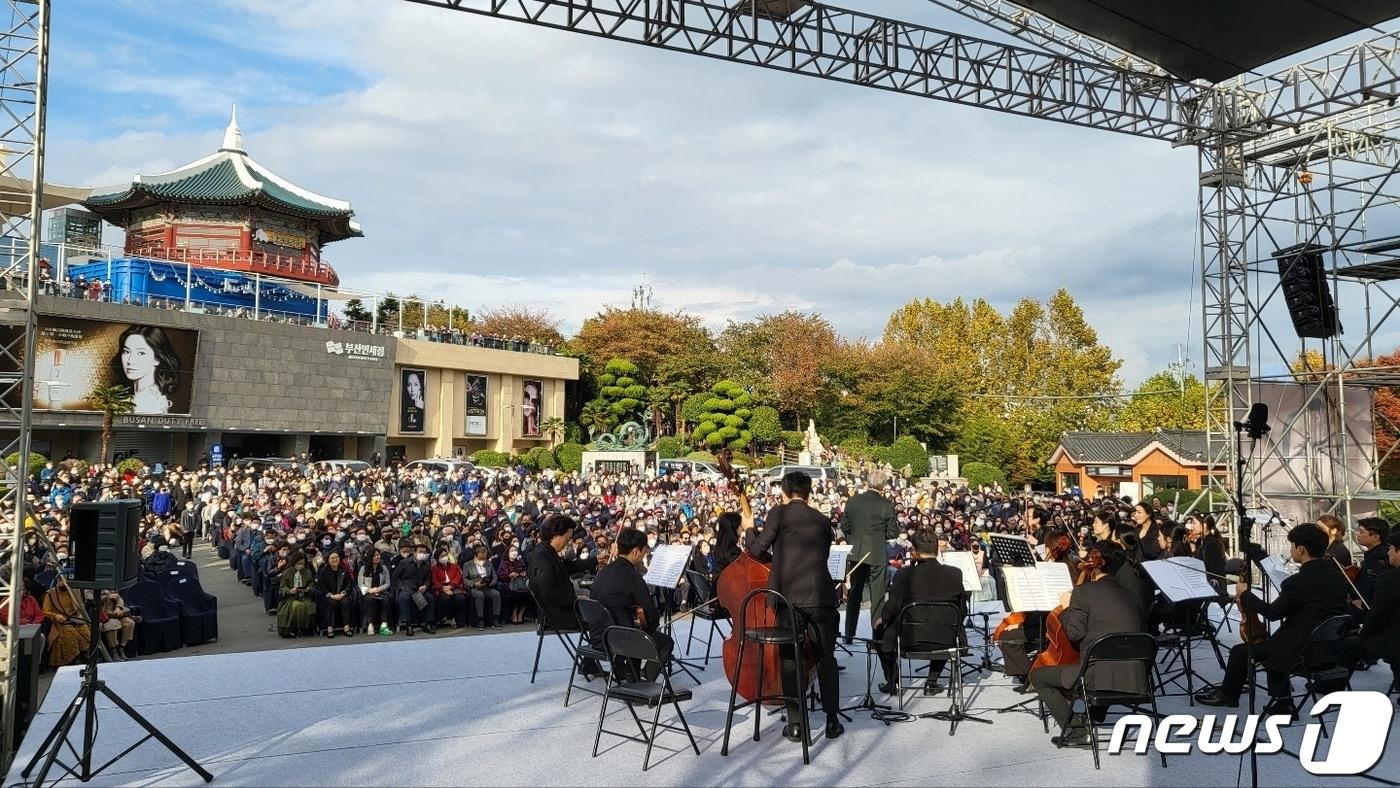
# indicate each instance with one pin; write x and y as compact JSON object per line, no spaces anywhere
{"x":869,"y":523}
{"x":1092,"y":610}
{"x":925,"y":580}
{"x":620,"y":588}
{"x":1316,"y":593}
{"x":549,"y":572}
{"x":798,"y":538}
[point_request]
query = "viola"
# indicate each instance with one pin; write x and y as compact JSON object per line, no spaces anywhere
{"x":1252,"y":627}
{"x":1059,"y":649}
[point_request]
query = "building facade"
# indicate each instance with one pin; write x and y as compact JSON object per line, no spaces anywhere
{"x":1139,"y":464}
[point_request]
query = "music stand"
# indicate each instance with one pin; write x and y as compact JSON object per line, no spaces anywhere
{"x":664,"y":573}
{"x":1183,"y":581}
{"x":1034,"y":589}
{"x":868,"y":703}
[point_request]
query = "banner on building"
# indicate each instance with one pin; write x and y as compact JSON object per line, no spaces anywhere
{"x":531,"y":395}
{"x":413,"y":400}
{"x":75,"y":357}
{"x":476,"y":404}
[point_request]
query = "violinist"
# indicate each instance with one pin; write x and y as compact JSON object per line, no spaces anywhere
{"x":1317,"y":592}
{"x":1380,"y":635}
{"x":1149,"y":533}
{"x":1372,"y":534}
{"x":799,"y":540}
{"x":1209,"y":547}
{"x":1336,"y":539}
{"x":1092,"y":610}
{"x":619,"y":587}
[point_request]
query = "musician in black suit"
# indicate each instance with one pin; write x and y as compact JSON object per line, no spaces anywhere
{"x":869,"y":523}
{"x":1316,"y":593}
{"x":798,"y":538}
{"x":1380,"y":634}
{"x":619,"y":587}
{"x":549,"y":572}
{"x":925,"y":580}
{"x":1092,"y":610}
{"x":1372,"y":534}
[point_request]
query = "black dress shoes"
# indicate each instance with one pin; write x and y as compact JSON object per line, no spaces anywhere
{"x":1214,"y":698}
{"x":1076,"y":737}
{"x":834,"y":728}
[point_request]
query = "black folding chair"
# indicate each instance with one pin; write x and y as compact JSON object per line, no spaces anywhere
{"x":591,"y":615}
{"x":930,"y":631}
{"x":707,"y":609}
{"x":543,"y":627}
{"x":1128,"y":648}
{"x":1324,"y":664}
{"x":633,"y":645}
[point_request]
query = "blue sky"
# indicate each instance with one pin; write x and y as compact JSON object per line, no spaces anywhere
{"x":494,"y":163}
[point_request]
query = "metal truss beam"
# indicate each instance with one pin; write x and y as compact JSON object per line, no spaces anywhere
{"x":23,"y":87}
{"x":861,"y":49}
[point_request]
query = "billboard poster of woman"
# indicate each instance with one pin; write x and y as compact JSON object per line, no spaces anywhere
{"x":154,"y":364}
{"x":413,"y":400}
{"x":531,"y":394}
{"x":476,"y":405}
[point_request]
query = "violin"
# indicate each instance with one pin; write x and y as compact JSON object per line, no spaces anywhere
{"x":745,"y":574}
{"x":1253,"y":630}
{"x":1059,"y":649}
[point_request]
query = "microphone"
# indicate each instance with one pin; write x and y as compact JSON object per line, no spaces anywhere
{"x":1256,"y":424}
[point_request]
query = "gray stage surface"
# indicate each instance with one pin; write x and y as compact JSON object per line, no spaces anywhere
{"x":461,"y":711}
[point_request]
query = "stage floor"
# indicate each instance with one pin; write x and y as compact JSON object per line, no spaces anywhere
{"x":461,"y":711}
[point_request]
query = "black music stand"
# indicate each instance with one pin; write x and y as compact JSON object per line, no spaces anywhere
{"x":662,"y":587}
{"x":868,"y":702}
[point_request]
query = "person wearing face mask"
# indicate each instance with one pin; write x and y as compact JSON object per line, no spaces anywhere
{"x":451,"y":592}
{"x":413,"y":586}
{"x":296,"y":609}
{"x":273,"y":567}
{"x":480,"y":578}
{"x":68,"y":636}
{"x":333,"y":586}
{"x":511,"y":572}
{"x":375,"y":583}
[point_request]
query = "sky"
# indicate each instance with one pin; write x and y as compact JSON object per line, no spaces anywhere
{"x":493,"y":163}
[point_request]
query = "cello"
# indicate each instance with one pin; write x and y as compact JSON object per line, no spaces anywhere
{"x":1057,"y":548}
{"x":1059,"y":650}
{"x":745,"y":574}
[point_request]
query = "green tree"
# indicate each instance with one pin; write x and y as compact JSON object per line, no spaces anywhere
{"x":596,"y":418}
{"x":725,"y":421}
{"x":535,"y":324}
{"x":765,"y":425}
{"x":646,"y":337}
{"x":621,"y":392}
{"x":780,"y":359}
{"x":983,"y":439}
{"x":355,"y":311}
{"x":1160,"y":402}
{"x":112,"y":401}
{"x":553,"y":428}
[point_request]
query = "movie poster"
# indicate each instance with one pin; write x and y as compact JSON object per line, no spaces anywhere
{"x":531,"y":394}
{"x":413,"y":400}
{"x":153,"y":363}
{"x":476,"y":404}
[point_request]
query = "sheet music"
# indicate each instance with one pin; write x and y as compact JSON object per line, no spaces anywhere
{"x":668,"y":563}
{"x":963,"y":561}
{"x":1036,"y":587}
{"x":1276,"y":570}
{"x":1180,"y":579}
{"x":836,"y":561}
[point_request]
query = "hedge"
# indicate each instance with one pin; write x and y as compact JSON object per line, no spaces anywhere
{"x":569,"y":456}
{"x":793,"y":439}
{"x":669,"y":447}
{"x":908,"y":451}
{"x":702,"y":456}
{"x":979,"y":473}
{"x":36,"y":462}
{"x":487,"y":458}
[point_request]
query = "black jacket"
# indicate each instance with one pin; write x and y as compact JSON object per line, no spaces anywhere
{"x":548,"y":575}
{"x":869,"y":522}
{"x":410,"y":573}
{"x":1318,"y":592}
{"x":1374,"y":564}
{"x":619,"y":587}
{"x":923,"y":581}
{"x":1383,"y":622}
{"x":798,"y":538}
{"x":1103,"y":607}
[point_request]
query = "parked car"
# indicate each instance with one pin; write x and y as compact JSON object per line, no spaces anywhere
{"x":447,"y":466}
{"x":261,"y":464}
{"x":817,"y":472}
{"x":696,"y":469}
{"x":353,"y":466}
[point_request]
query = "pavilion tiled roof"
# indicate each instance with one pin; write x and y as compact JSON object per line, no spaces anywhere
{"x":1120,"y":447}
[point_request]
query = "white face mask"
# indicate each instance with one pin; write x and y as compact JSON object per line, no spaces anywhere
{"x":361,"y":537}
{"x":514,"y":554}
{"x":62,"y":556}
{"x":422,"y":556}
{"x":444,"y":560}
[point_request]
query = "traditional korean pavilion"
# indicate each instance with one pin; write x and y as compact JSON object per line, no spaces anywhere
{"x":228,"y":211}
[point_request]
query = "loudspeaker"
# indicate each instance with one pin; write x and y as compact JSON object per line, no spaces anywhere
{"x":104,"y":544}
{"x":1305,"y":290}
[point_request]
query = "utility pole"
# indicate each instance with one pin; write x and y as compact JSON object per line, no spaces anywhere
{"x":641,"y":294}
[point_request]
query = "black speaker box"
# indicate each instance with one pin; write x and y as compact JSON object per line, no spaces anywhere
{"x":1305,"y":290}
{"x":104,"y":544}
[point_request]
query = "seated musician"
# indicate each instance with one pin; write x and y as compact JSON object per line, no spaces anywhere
{"x":1092,"y":610}
{"x":925,"y":580}
{"x":1372,"y":533}
{"x":1209,"y":548}
{"x":619,"y":587}
{"x":1380,"y":635}
{"x":1317,"y":592}
{"x":549,"y":572}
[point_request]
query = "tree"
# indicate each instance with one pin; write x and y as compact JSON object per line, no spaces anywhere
{"x":596,"y":418}
{"x":553,"y":428}
{"x":780,"y":358}
{"x":646,"y":337}
{"x":983,"y":439}
{"x":620,"y":392}
{"x":1160,"y":402}
{"x":726,"y":416}
{"x":1385,"y":415}
{"x":520,"y":320}
{"x":355,"y":311}
{"x":113,"y":401}
{"x":765,"y":425}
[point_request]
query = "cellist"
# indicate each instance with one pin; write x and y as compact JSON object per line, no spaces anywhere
{"x":1097,"y":607}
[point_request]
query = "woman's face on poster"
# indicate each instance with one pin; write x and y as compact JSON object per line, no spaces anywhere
{"x":138,"y":360}
{"x":415,"y":388}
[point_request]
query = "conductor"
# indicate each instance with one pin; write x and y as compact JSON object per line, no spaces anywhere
{"x":868,"y":522}
{"x":799,"y":539}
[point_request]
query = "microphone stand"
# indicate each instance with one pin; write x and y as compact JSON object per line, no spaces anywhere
{"x":1242,"y":533}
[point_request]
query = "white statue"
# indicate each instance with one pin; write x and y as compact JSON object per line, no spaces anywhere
{"x":813,"y":448}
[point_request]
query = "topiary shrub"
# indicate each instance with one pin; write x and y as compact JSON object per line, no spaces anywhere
{"x":573,"y":432}
{"x":128,"y":465}
{"x":36,"y":462}
{"x":793,"y":439}
{"x":979,"y":473}
{"x":908,"y":451}
{"x":669,"y":447}
{"x":545,"y":460}
{"x":487,"y":458}
{"x":569,"y":456}
{"x":770,"y":461}
{"x":702,"y":456}
{"x":764,"y":423}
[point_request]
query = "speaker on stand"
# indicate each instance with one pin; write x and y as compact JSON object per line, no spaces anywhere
{"x":1304,"y":284}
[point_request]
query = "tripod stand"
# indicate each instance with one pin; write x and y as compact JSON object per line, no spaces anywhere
{"x":85,"y":703}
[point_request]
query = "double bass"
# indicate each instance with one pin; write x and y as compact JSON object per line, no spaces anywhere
{"x":742,"y":576}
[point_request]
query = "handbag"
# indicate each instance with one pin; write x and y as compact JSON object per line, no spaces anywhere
{"x":518,"y":583}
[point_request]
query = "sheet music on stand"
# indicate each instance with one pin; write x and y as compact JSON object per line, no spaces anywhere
{"x":836,"y":561}
{"x":964,"y":562}
{"x":668,"y":563}
{"x":1181,"y":579}
{"x":1036,"y":588}
{"x":1011,"y":550}
{"x":1276,"y":570}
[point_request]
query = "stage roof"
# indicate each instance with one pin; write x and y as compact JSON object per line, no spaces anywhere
{"x":1215,"y":39}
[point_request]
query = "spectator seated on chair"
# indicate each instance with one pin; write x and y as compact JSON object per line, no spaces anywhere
{"x":451,"y":593}
{"x":118,"y":624}
{"x":480,"y":579}
{"x":511,"y":573}
{"x":335,"y":587}
{"x":412,"y":585}
{"x":69,"y":636}
{"x":375,"y":587}
{"x":296,"y":612}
